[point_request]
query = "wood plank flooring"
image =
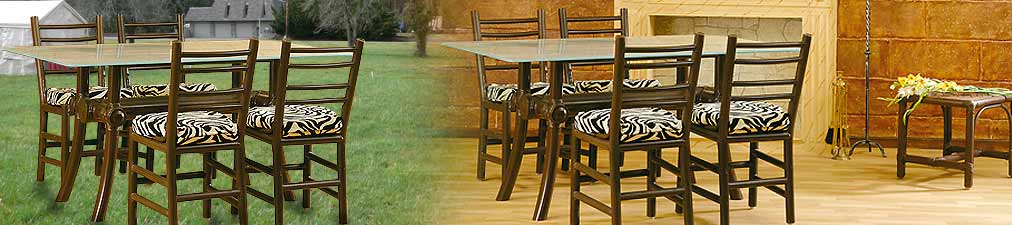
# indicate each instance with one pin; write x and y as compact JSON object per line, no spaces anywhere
{"x":863,"y":190}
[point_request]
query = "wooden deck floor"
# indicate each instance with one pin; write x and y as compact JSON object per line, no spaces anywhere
{"x":863,"y":190}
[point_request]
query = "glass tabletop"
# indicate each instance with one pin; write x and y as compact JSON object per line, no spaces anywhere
{"x":147,"y":53}
{"x":589,"y":49}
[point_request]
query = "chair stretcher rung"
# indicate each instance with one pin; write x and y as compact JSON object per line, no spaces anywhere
{"x":207,"y":195}
{"x":150,"y":204}
{"x":310,"y":184}
{"x":260,"y":195}
{"x":650,"y":193}
{"x":221,"y":167}
{"x":600,"y":206}
{"x":326,"y":190}
{"x":769,"y":159}
{"x":149,"y":175}
{"x":580,"y":167}
{"x":316,"y":158}
{"x":758,"y":182}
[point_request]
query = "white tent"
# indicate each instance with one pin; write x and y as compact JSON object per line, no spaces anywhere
{"x":15,"y":30}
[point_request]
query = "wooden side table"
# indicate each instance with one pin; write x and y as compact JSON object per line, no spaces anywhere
{"x":954,"y":157}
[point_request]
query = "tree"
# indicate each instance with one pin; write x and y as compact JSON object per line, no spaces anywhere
{"x":419,"y":15}
{"x":350,"y":16}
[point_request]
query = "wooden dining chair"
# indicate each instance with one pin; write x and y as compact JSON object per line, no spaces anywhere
{"x":499,"y":97}
{"x":195,"y":123}
{"x":131,"y":32}
{"x":63,"y":101}
{"x":597,"y":27}
{"x":303,"y":122}
{"x":741,"y":117}
{"x":640,"y":119}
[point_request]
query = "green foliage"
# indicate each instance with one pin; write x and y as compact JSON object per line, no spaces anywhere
{"x":306,"y":22}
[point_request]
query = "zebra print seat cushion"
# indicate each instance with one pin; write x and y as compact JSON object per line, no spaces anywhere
{"x":600,"y":86}
{"x":195,"y":128}
{"x":151,"y":90}
{"x":638,"y":124}
{"x":300,"y":120}
{"x":747,"y":117}
{"x":505,"y":92}
{"x":63,"y":96}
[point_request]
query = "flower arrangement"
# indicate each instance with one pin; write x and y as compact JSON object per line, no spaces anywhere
{"x":919,"y":86}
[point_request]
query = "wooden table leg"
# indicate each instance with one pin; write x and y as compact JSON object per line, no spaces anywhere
{"x":556,"y":115}
{"x":971,"y":122}
{"x":68,"y":174}
{"x":901,"y":134}
{"x":513,"y":162}
{"x":114,"y":120}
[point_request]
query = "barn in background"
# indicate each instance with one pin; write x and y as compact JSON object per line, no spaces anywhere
{"x":15,"y":30}
{"x":231,"y":19}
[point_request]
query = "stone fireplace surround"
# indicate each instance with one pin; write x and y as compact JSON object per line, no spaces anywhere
{"x":818,"y":17}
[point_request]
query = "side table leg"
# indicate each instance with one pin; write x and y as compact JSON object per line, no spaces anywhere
{"x":901,"y":136}
{"x":523,"y":108}
{"x":68,"y":174}
{"x":971,"y":122}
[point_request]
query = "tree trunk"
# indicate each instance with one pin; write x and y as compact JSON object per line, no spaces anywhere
{"x":421,"y":41}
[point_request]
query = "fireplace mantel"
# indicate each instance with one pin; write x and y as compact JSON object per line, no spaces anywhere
{"x":818,"y":18}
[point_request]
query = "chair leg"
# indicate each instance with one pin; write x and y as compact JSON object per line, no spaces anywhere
{"x":566,"y":136}
{"x":131,"y":182}
{"x":307,"y":171}
{"x":507,"y":141}
{"x":482,"y":143}
{"x":789,"y":174}
{"x":616,"y":187}
{"x":241,"y":179}
{"x":342,"y":188}
{"x":150,"y":161}
{"x":652,"y":170}
{"x":278,"y":176}
{"x":206,"y":203}
{"x":592,"y":157}
{"x":753,"y":173}
{"x":40,"y":169}
{"x":574,"y":179}
{"x":686,"y":179}
{"x":723,"y":162}
{"x":170,"y":175}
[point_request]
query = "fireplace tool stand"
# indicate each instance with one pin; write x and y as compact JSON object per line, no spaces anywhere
{"x":867,"y":84}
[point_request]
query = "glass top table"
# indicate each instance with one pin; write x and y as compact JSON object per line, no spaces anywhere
{"x":118,"y":56}
{"x":558,"y":52}
{"x":149,"y":53}
{"x":590,"y":49}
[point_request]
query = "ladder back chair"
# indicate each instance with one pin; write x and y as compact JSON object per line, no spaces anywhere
{"x":751,"y":118}
{"x":303,"y":122}
{"x":63,"y":101}
{"x":196,"y":123}
{"x":131,"y":32}
{"x":590,"y":27}
{"x":644,"y":119}
{"x":499,"y":97}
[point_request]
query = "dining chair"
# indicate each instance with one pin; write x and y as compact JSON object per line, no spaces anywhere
{"x":304,"y":122}
{"x":195,"y":123}
{"x":63,"y":101}
{"x":742,"y":117}
{"x":591,"y":27}
{"x":640,"y":119}
{"x":499,"y":97}
{"x":130,"y":32}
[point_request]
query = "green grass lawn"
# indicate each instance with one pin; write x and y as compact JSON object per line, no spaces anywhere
{"x":390,"y":158}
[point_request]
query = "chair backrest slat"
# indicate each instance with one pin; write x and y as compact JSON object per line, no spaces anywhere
{"x":333,"y":88}
{"x":124,"y":34}
{"x":727,"y":83}
{"x":565,"y":22}
{"x":488,"y":29}
{"x":679,"y":96}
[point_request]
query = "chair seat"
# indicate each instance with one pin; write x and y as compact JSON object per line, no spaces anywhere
{"x":63,"y":96}
{"x":638,"y":124}
{"x":747,"y":117}
{"x":195,"y":128}
{"x":300,"y":120}
{"x":152,"y":90}
{"x":505,"y":92}
{"x":601,"y":86}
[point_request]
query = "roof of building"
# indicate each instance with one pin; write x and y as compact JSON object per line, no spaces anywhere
{"x":232,"y":10}
{"x":18,"y":13}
